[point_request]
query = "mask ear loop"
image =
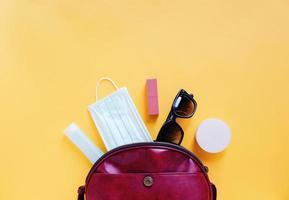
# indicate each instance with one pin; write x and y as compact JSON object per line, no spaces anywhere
{"x":98,"y":84}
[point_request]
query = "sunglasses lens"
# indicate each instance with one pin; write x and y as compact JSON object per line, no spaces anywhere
{"x":170,"y":132}
{"x":184,"y":106}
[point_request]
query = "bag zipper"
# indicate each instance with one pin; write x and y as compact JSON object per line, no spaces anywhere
{"x":203,"y":168}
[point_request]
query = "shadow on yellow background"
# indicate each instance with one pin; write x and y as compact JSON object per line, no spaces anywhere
{"x":233,"y":55}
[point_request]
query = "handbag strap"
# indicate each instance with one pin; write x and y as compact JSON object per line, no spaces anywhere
{"x":214,"y":190}
{"x":81,"y":191}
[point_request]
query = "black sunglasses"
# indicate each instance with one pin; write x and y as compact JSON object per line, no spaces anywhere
{"x":184,"y":106}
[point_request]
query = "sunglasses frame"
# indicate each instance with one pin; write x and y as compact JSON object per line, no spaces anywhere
{"x":173,"y":115}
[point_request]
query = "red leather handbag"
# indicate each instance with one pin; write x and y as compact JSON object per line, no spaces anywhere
{"x":142,"y":171}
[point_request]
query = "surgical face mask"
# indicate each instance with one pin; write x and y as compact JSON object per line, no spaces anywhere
{"x":117,"y":119}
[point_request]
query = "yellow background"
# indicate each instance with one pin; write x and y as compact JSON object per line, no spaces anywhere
{"x":233,"y":55}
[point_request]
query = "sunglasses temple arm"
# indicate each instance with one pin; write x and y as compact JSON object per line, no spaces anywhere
{"x":170,"y":116}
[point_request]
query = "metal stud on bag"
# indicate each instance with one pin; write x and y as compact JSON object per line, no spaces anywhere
{"x":148,"y":181}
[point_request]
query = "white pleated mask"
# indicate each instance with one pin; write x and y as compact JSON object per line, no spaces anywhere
{"x":117,"y":118}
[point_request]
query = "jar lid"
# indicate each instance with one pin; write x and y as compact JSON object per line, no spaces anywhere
{"x":213,"y":135}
